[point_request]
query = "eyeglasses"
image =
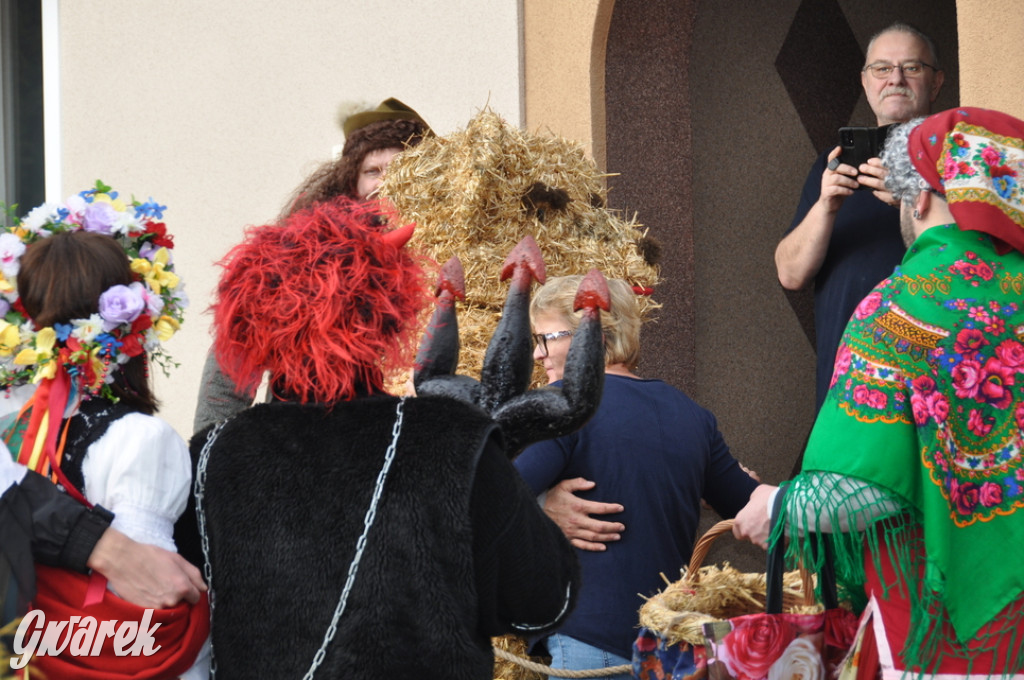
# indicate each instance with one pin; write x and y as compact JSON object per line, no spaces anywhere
{"x":909,"y":69}
{"x":541,"y":339}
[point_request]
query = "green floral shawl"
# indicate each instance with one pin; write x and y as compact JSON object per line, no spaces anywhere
{"x":927,"y":406}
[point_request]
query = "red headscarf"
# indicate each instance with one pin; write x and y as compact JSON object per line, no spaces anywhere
{"x":975,"y":157}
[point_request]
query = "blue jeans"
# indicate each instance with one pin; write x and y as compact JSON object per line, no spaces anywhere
{"x":570,"y":654}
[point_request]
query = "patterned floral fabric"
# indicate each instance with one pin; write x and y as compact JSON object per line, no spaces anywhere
{"x":927,"y":402}
{"x":975,"y":158}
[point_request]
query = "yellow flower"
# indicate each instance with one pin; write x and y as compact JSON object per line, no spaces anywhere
{"x":155,"y":273}
{"x":116,"y":204}
{"x":10,"y":338}
{"x":5,"y":285}
{"x":166,"y":327}
{"x":45,"y":339}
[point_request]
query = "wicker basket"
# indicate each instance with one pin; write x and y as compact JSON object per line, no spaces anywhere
{"x":713,"y":593}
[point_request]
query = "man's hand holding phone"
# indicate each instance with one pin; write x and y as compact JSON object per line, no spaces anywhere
{"x":837,"y":182}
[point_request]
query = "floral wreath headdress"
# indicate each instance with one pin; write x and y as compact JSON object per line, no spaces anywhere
{"x":131,"y":320}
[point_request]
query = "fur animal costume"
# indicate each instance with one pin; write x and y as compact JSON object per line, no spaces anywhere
{"x":351,"y":533}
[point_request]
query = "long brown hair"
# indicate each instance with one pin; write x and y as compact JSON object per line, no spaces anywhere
{"x":62,"y":277}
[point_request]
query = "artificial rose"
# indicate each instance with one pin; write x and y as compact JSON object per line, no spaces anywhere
{"x":800,"y":661}
{"x":1011,"y":353}
{"x":868,"y":305}
{"x":159,"y":230}
{"x":120,"y":304}
{"x":967,"y":377}
{"x":969,"y":341}
{"x":11,"y":250}
{"x":131,"y":345}
{"x":990,"y":495}
{"x":754,"y":644}
{"x":99,"y":217}
{"x":154,"y":303}
{"x":39,"y":216}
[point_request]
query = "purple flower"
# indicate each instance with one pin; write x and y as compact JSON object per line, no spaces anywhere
{"x":120,"y":304}
{"x":99,"y":217}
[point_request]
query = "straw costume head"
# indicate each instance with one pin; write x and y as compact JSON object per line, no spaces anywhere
{"x":323,"y":300}
{"x":88,"y":291}
{"x":476,"y":193}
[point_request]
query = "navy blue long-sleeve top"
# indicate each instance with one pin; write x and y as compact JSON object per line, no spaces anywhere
{"x":653,"y":450}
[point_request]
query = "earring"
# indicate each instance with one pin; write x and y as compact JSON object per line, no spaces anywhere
{"x":917,"y":214}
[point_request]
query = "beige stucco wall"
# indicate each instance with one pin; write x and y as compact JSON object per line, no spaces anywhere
{"x":991,"y":66}
{"x":218,"y":109}
{"x":563,"y":47}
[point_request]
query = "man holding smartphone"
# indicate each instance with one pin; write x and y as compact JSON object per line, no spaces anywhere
{"x":845,"y":236}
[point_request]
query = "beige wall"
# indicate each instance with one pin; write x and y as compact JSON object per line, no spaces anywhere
{"x":218,"y":109}
{"x":991,"y":63}
{"x":563,"y":47}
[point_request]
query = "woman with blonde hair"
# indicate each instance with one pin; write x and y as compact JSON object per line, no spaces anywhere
{"x":650,"y":448}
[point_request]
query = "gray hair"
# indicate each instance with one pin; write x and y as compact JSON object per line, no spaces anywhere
{"x":904,"y":182}
{"x":900,"y":27}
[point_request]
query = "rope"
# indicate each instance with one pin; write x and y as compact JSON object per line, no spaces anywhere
{"x":560,"y":672}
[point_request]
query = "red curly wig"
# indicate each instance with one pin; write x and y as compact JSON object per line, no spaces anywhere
{"x":320,"y":300}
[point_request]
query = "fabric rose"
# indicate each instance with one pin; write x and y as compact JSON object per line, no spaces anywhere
{"x":11,"y":250}
{"x":154,"y":303}
{"x":1011,"y":353}
{"x":868,"y":305}
{"x":996,"y":383}
{"x":877,"y":399}
{"x":978,"y":423}
{"x":938,"y":406}
{"x":755,"y":643}
{"x":39,"y":216}
{"x":967,"y":379}
{"x":964,"y":496}
{"x":120,"y":304}
{"x":842,"y":364}
{"x":969,"y":341}
{"x":991,"y":494}
{"x":860,"y":394}
{"x":99,"y":217}
{"x":840,"y":628}
{"x":800,"y":661}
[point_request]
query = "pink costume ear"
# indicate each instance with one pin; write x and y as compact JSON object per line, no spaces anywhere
{"x":399,"y":237}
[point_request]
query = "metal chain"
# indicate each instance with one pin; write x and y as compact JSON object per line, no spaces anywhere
{"x":353,"y":568}
{"x":371,"y":514}
{"x":199,"y":489}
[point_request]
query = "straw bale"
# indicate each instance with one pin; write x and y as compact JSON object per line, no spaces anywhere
{"x":466,"y":194}
{"x":507,"y":670}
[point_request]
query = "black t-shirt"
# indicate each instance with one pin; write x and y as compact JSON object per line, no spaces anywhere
{"x":865,"y":247}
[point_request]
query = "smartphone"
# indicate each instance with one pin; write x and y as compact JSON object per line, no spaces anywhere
{"x":861,"y":143}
